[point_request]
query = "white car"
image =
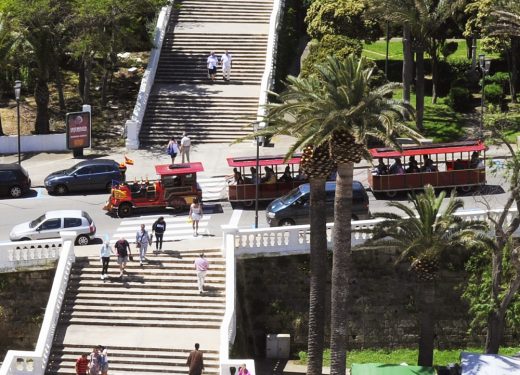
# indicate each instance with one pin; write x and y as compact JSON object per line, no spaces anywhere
{"x":50,"y":224}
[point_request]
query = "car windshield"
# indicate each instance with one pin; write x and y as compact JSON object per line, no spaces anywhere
{"x":292,"y":196}
{"x":36,"y":222}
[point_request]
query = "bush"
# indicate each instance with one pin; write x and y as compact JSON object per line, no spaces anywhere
{"x":494,"y":93}
{"x":443,"y":131}
{"x":459,"y":99}
{"x":498,"y":78}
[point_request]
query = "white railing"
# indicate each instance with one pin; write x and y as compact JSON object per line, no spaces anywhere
{"x":270,"y":60}
{"x":26,"y":255}
{"x":290,"y":240}
{"x":35,"y":362}
{"x":133,"y":126}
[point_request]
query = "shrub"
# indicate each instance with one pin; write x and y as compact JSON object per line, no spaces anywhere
{"x":494,"y":93}
{"x":498,"y":78}
{"x":459,"y":99}
{"x":443,"y":131}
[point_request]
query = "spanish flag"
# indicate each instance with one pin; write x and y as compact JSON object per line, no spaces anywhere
{"x":129,"y":161}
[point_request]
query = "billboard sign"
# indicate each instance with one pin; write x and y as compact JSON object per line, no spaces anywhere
{"x":79,"y":128}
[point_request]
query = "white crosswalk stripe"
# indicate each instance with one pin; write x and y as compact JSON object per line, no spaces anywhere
{"x":177,"y":228}
{"x":213,"y":189}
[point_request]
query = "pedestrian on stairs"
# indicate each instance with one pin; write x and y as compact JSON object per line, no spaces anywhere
{"x":227,"y":63}
{"x":201,"y":267}
{"x":104,"y":254}
{"x":195,"y":361}
{"x":212,"y":66}
{"x":159,"y":227}
{"x":195,"y":214}
{"x":142,"y":239}
{"x":95,"y":362}
{"x":82,"y":364}
{"x":104,"y":360}
{"x":123,"y":252}
{"x":185,"y":147}
{"x":172,"y":149}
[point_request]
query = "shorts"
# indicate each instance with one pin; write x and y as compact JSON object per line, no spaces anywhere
{"x":195,"y":217}
{"x":121,"y":260}
{"x":104,"y":368}
{"x":173,"y":154}
{"x":212,"y":70}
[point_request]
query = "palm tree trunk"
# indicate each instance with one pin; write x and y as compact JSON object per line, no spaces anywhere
{"x":88,"y":75}
{"x":426,"y":304}
{"x":407,"y":63}
{"x":494,"y":332}
{"x":318,"y":261}
{"x":41,"y":96}
{"x":59,"y":87}
{"x":341,"y":267}
{"x":1,"y":127}
{"x":515,"y":66}
{"x":419,"y":88}
{"x":435,"y":72}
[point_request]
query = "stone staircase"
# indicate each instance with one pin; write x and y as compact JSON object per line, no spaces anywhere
{"x":148,"y":320}
{"x":183,"y":98}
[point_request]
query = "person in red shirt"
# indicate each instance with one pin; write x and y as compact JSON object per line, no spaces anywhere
{"x":82,"y":365}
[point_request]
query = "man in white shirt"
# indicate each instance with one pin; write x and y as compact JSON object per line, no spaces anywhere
{"x":185,"y":147}
{"x":227,"y":63}
{"x":212,"y":65}
{"x":201,"y":266}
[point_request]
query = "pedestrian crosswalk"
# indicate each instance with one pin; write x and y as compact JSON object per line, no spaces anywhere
{"x":213,"y":189}
{"x":177,"y":227}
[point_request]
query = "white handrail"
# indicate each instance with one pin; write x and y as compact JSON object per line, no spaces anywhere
{"x":270,"y":60}
{"x":25,"y":255}
{"x":133,"y":126}
{"x":35,"y":362}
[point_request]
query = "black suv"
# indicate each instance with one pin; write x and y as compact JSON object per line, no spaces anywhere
{"x":14,"y":180}
{"x":96,"y":174}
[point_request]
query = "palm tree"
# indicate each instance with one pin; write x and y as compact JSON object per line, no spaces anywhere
{"x":423,"y":238}
{"x":338,"y":108}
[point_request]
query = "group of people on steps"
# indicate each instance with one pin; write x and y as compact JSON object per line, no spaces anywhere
{"x":94,"y":364}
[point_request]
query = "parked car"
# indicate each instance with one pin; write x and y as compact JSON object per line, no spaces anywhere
{"x":96,"y":174}
{"x":50,"y":224}
{"x":14,"y":180}
{"x":293,"y":208}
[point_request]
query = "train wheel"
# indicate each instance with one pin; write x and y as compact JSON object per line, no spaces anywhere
{"x":391,"y":194}
{"x":466,"y":189}
{"x":248,"y":204}
{"x":124,"y":210}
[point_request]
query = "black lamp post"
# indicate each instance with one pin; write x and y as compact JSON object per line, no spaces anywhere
{"x":257,"y":179}
{"x":484,"y":65}
{"x":17,"y":90}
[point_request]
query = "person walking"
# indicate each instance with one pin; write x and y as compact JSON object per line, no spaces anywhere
{"x":82,"y":364}
{"x":104,"y":360}
{"x":201,"y":267}
{"x":185,"y":147}
{"x":104,"y":254}
{"x":212,"y":66}
{"x":95,"y":362}
{"x":172,"y":149}
{"x":227,"y":63}
{"x":195,"y":361}
{"x":196,"y":213}
{"x":142,"y":239}
{"x":123,"y":253}
{"x":159,"y":227}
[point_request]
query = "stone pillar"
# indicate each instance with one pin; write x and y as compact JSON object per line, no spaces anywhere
{"x":132,"y":135}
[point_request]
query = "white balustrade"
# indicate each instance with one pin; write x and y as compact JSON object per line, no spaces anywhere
{"x":26,"y":255}
{"x":35,"y":362}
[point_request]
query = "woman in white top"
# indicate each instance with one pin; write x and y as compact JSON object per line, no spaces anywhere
{"x":195,"y":215}
{"x":212,"y":66}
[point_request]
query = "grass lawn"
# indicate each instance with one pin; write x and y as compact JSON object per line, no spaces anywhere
{"x":441,"y":122}
{"x":397,"y":356}
{"x":377,"y":50}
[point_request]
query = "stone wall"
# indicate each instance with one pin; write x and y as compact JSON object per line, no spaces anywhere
{"x":23,"y":298}
{"x":273,"y":298}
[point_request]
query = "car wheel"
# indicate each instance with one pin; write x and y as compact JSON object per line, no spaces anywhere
{"x":286,"y":222}
{"x":82,"y":240}
{"x":15,"y":191}
{"x":61,"y":189}
{"x":124,"y":210}
{"x":108,"y":188}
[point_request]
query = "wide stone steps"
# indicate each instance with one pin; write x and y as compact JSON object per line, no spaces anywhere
{"x":163,"y":309}
{"x":140,"y":322}
{"x":194,"y":298}
{"x":94,"y":302}
{"x":123,"y":361}
{"x":129,"y":315}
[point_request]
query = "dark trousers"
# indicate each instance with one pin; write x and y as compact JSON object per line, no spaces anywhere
{"x":158,"y":240}
{"x":106,"y":261}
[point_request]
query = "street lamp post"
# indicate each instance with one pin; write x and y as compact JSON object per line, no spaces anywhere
{"x":484,"y":65}
{"x":257,"y":180}
{"x":17,"y":90}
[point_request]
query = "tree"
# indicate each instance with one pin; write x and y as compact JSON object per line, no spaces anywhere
{"x":338,"y":108}
{"x":495,"y":274}
{"x":423,"y":237}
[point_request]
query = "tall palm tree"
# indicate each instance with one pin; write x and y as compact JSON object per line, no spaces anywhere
{"x":423,"y":238}
{"x":339,"y":108}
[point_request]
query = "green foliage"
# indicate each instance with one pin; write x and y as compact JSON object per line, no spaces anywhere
{"x":494,"y":93}
{"x":443,"y":131}
{"x":449,"y":48}
{"x":330,"y":45}
{"x":343,"y":17}
{"x":500,"y":78}
{"x":459,"y":99}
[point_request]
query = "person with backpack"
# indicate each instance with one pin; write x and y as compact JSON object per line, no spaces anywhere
{"x":159,"y":227}
{"x":95,"y":362}
{"x":172,"y":149}
{"x":123,"y":253}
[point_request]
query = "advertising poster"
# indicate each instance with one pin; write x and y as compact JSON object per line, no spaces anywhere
{"x":78,"y":130}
